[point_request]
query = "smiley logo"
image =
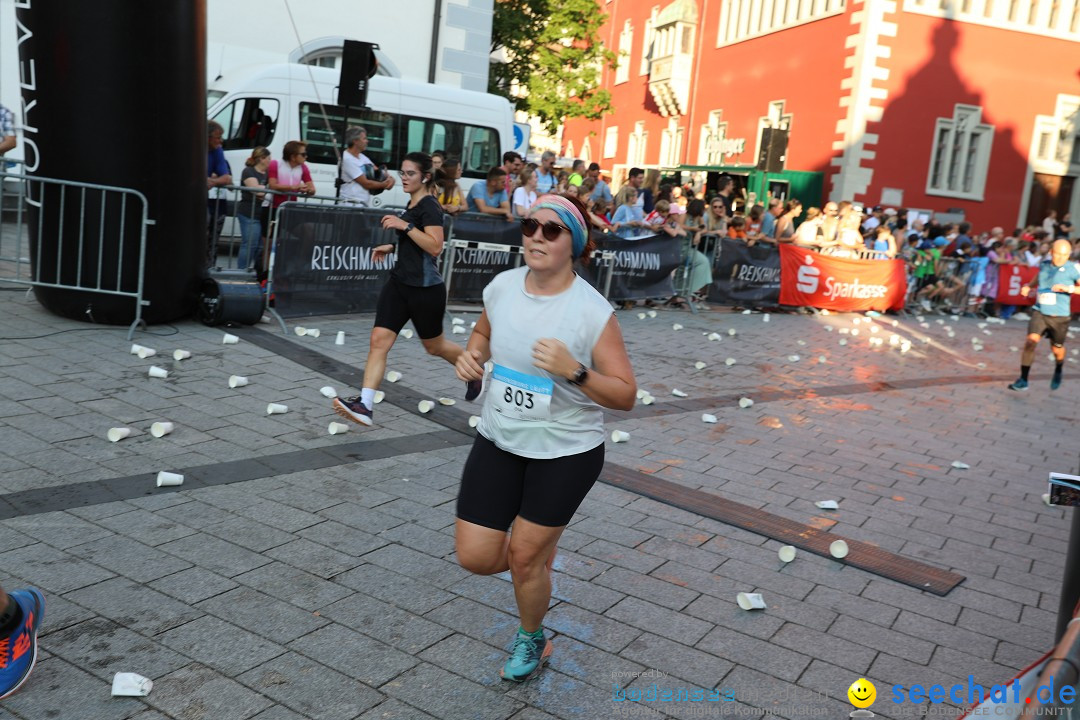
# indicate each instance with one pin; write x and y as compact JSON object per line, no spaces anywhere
{"x":862,"y":693}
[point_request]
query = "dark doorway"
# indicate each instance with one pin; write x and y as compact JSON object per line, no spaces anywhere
{"x":1049,"y":192}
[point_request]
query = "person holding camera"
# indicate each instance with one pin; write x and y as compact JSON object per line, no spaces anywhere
{"x":357,"y":170}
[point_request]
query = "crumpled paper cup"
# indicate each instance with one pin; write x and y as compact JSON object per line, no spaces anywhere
{"x":126,"y":684}
{"x":750,"y":601}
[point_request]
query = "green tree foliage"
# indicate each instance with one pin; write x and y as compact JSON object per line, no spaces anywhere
{"x":554,"y":58}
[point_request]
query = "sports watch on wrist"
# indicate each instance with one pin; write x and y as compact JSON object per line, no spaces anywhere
{"x":578,"y":378}
{"x":409,"y":228}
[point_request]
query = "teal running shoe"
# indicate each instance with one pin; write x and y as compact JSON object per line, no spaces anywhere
{"x":528,"y":655}
{"x":1055,"y":382}
{"x":1020,"y":384}
{"x":18,"y":651}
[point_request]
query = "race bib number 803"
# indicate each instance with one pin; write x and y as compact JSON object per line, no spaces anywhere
{"x":520,"y":395}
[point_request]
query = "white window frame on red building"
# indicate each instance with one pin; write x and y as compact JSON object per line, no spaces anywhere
{"x":626,"y":47}
{"x":611,"y":142}
{"x":745,"y":19}
{"x":635,"y":148}
{"x":958,"y":168}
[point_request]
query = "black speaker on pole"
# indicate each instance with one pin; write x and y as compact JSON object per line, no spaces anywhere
{"x":358,"y":66}
{"x":773,"y":150}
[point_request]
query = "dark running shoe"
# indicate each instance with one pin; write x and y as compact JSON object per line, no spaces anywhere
{"x":18,"y":651}
{"x":1020,"y":384}
{"x":1055,"y":382}
{"x":353,"y":409}
{"x":473,"y":388}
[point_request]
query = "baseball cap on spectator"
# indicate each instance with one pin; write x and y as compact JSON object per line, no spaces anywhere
{"x":876,"y":208}
{"x":941,"y":241}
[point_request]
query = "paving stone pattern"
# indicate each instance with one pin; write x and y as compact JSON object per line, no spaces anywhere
{"x":324,"y":585}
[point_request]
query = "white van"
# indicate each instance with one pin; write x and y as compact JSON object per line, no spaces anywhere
{"x":270,"y":105}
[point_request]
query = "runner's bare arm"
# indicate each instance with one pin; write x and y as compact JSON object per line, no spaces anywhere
{"x":470,"y":364}
{"x":610,"y":381}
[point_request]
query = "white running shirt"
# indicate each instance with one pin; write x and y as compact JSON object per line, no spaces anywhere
{"x":535,"y":414}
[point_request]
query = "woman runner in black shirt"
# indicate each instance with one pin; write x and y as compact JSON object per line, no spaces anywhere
{"x":415,"y":290}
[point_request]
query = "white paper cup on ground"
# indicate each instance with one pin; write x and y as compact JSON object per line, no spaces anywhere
{"x":157,"y":372}
{"x":960,"y":465}
{"x":729,"y":362}
{"x":161,"y":429}
{"x":236,"y":381}
{"x":447,"y":401}
{"x":787,"y":553}
{"x":678,"y":393}
{"x":474,"y":420}
{"x":458,"y":330}
{"x":328,"y":392}
{"x":641,"y":316}
{"x":745,"y":403}
{"x":641,"y":393}
{"x":179,"y":355}
{"x":340,"y":339}
{"x":618,"y":436}
{"x":648,"y":400}
{"x":146,"y":352}
{"x":750,"y":601}
{"x":314,"y":332}
{"x":300,"y":330}
{"x":676,"y":326}
{"x":117,"y":434}
{"x":165,"y":479}
{"x":715,"y":337}
{"x":379,"y":395}
{"x":229,"y":339}
{"x":699,"y":365}
{"x":828,"y":504}
{"x":838,"y":549}
{"x":393,"y":376}
{"x":126,"y":684}
{"x":707,"y":418}
{"x":765,"y":317}
{"x":407,"y":334}
{"x":457,"y":321}
{"x":337,"y":428}
{"x":135,"y":348}
{"x":651,"y":313}
{"x":731,"y":332}
{"x":425,"y":406}
{"x":276,"y":409}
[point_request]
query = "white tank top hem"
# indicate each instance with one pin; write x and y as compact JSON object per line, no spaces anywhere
{"x":577,"y":316}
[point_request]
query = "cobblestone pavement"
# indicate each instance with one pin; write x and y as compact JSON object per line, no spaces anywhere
{"x":302,"y":575}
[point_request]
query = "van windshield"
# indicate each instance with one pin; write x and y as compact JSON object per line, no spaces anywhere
{"x":392,"y":136}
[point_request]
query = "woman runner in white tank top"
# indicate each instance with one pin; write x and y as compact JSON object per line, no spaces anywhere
{"x":558,"y":359}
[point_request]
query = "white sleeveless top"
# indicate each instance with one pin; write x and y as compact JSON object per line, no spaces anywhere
{"x":528,"y":411}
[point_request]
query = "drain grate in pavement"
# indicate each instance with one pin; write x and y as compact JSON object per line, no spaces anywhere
{"x":861,"y":555}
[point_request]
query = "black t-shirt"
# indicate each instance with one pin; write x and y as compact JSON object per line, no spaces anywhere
{"x":248,"y":204}
{"x":415,"y":266}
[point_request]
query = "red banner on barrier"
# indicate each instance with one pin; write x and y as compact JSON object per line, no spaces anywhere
{"x":1013,"y":277}
{"x":810,"y":279}
{"x":1010,"y":279}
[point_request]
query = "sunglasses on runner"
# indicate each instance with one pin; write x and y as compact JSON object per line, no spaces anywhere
{"x":552,"y":230}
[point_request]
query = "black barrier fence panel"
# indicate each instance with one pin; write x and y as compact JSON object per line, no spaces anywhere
{"x":475,"y":267}
{"x":642,"y":268}
{"x":324,"y":261}
{"x":745,"y":275}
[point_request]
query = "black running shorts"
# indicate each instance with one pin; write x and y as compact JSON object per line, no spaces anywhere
{"x":400,"y":303}
{"x":498,"y":486}
{"x":1052,"y":326}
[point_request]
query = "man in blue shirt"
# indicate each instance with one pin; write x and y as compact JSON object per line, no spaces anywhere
{"x":1057,"y":281}
{"x":218,"y":176}
{"x":602,"y":191}
{"x":490,"y":197}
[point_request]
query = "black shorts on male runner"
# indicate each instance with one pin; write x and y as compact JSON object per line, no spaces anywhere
{"x":1055,"y":327}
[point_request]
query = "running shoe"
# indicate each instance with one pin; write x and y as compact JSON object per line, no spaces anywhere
{"x":527,"y":656}
{"x":1020,"y":384}
{"x":473,"y":388}
{"x":353,"y":409}
{"x":18,"y":651}
{"x":1055,"y":382}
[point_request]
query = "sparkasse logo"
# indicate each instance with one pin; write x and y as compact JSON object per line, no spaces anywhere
{"x":807,"y":278}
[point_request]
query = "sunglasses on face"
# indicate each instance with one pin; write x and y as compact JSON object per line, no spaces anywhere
{"x":551,"y":230}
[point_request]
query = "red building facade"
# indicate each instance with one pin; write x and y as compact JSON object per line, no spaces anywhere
{"x":959,"y":106}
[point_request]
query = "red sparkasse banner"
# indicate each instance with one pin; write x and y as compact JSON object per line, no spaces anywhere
{"x":1010,"y":279}
{"x":810,"y":279}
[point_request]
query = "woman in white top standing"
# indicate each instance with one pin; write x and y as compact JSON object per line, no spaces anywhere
{"x":525,"y":194}
{"x":559,"y":358}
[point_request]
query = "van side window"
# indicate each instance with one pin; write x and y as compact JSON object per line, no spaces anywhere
{"x":476,"y":147}
{"x":248,"y":122}
{"x":323,"y":133}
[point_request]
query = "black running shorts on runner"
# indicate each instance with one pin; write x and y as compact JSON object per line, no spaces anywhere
{"x":1052,"y":326}
{"x":400,"y":303}
{"x":497,"y":486}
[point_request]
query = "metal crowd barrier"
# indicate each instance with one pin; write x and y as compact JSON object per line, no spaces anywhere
{"x":98,"y":262}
